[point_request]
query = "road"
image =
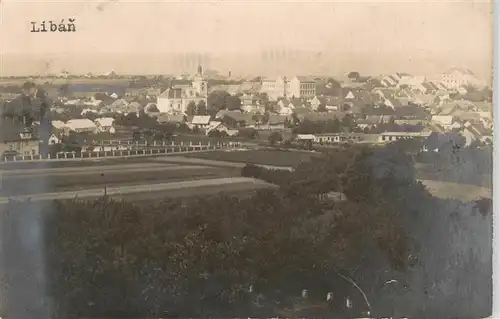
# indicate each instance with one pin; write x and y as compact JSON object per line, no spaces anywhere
{"x":216,"y":163}
{"x":124,"y":190}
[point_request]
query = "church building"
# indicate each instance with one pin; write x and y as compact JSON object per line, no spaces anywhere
{"x":177,"y":97}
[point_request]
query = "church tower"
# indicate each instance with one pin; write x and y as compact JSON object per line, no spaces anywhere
{"x":199,"y":84}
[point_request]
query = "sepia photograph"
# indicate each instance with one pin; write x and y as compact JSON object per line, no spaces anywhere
{"x":247,"y":159}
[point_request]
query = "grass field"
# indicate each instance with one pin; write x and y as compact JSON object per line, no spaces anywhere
{"x":61,"y":164}
{"x":239,"y":190}
{"x":263,"y":157}
{"x":243,"y":190}
{"x":457,"y":191}
{"x":32,"y":184}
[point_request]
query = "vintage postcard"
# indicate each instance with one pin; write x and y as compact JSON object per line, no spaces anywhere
{"x":246,"y":159}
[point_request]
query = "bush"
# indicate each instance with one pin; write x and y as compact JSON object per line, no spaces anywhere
{"x":197,"y":257}
{"x":249,"y":133}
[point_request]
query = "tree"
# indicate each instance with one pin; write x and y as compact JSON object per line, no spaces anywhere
{"x":196,"y":257}
{"x":353,"y":75}
{"x":191,"y":108}
{"x":136,"y":136}
{"x":218,"y":134}
{"x":348,"y":122}
{"x":249,"y":133}
{"x":264,"y":101}
{"x":217,"y":100}
{"x":229,"y":122}
{"x":159,"y":136}
{"x":432,"y":142}
{"x":201,"y":108}
{"x":322,"y":108}
{"x":233,"y":103}
{"x":91,"y":116}
{"x":258,"y":118}
{"x":332,"y":83}
{"x":274,"y":138}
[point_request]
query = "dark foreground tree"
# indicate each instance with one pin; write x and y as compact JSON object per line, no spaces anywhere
{"x":387,"y":245}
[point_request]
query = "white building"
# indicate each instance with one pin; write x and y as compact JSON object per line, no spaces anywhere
{"x":177,"y":98}
{"x":274,"y":88}
{"x":410,"y":80}
{"x":82,"y":126}
{"x":217,"y":126}
{"x":391,"y":80}
{"x":105,"y":124}
{"x":394,"y":136}
{"x":301,"y":87}
{"x":456,"y":78}
{"x":200,"y":121}
{"x":53,"y":139}
{"x":445,"y":121}
{"x":59,"y":125}
{"x":295,"y":87}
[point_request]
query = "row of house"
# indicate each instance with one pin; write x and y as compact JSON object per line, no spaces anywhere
{"x":283,"y":87}
{"x":385,"y":137}
{"x":228,"y":121}
{"x":453,"y":79}
{"x":105,"y":124}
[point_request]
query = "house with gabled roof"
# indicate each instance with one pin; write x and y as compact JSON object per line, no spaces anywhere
{"x":315,"y":102}
{"x":321,"y":116}
{"x":251,"y":104}
{"x":236,"y":119}
{"x":443,"y":120}
{"x":105,"y":124}
{"x":58,"y":124}
{"x":385,"y":93}
{"x":473,"y":132}
{"x":391,"y":80}
{"x":82,"y":126}
{"x":15,"y":138}
{"x":349,"y":96}
{"x":218,"y":126}
{"x":199,"y":121}
{"x":392,"y":103}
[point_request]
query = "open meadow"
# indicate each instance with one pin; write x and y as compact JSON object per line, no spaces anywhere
{"x":35,"y":181}
{"x":262,"y":157}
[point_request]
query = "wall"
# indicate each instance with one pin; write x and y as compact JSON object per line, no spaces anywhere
{"x":166,"y":105}
{"x":27,"y":147}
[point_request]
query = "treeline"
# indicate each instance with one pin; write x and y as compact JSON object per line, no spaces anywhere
{"x":346,"y":124}
{"x":223,"y":256}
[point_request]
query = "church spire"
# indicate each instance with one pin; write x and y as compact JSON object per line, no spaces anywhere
{"x":200,"y":70}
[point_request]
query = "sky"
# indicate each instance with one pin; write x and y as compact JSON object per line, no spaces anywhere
{"x":147,"y":36}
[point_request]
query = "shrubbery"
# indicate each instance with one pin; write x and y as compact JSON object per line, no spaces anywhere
{"x":198,"y":257}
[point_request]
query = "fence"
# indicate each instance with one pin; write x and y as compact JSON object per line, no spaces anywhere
{"x":133,"y":143}
{"x":137,"y":145}
{"x":127,"y":153}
